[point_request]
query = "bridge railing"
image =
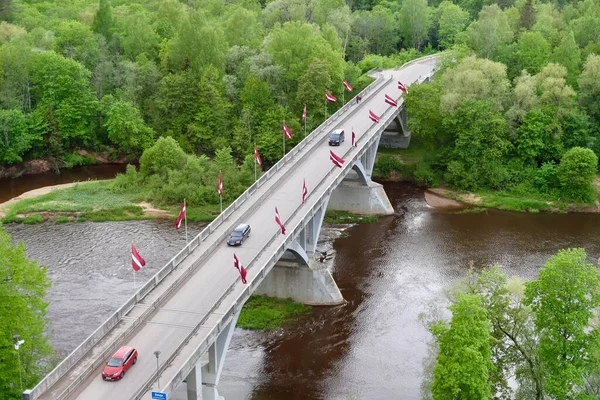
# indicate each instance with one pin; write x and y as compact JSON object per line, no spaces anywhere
{"x":76,"y":355}
{"x":191,"y":361}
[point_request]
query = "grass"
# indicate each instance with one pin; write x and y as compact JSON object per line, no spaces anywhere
{"x":266,"y":313}
{"x":410,"y":155}
{"x":345,"y":217}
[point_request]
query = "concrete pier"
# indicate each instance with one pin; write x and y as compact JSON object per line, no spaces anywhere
{"x":359,"y":198}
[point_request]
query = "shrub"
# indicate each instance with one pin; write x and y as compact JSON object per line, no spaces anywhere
{"x":124,"y":183}
{"x":165,"y":155}
{"x":385,"y":164}
{"x":424,"y":175}
{"x":74,"y":160}
{"x":577,"y":173}
{"x":546,"y":178}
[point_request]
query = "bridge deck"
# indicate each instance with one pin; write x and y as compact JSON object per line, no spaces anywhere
{"x":167,"y":327}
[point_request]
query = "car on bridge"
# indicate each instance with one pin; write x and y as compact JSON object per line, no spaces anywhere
{"x":119,"y":363}
{"x":238,"y":235}
{"x":336,"y":137}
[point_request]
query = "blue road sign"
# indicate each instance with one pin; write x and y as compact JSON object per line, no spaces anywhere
{"x":159,"y":396}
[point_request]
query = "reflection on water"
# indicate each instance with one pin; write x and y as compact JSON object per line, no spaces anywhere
{"x":389,"y":272}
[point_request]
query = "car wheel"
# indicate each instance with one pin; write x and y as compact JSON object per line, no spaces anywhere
{"x":135,"y":360}
{"x":122,"y":375}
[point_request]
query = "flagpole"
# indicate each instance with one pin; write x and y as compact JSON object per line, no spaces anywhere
{"x":133,"y":272}
{"x":221,"y":201}
{"x":254,"y":169}
{"x":343,"y":95}
{"x":185,"y":219}
{"x":284,"y":138}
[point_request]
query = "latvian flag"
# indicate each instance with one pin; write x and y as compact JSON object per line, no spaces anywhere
{"x":304,"y":114}
{"x":180,"y":217}
{"x":390,"y":101}
{"x":374,"y":117}
{"x":337,"y":160}
{"x":402,"y":87}
{"x":287,"y":132}
{"x":353,"y":138}
{"x":347,"y":85}
{"x":257,"y":156}
{"x":304,"y":191}
{"x":137,"y":261}
{"x":240,"y":268}
{"x":278,"y":220}
{"x":330,"y":98}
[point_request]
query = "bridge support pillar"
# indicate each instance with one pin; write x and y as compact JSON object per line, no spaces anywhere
{"x":302,"y":283}
{"x":211,"y":372}
{"x":194,"y":383}
{"x":358,"y":198}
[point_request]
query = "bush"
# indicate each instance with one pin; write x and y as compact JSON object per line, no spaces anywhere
{"x":165,"y":155}
{"x":577,"y":174}
{"x":546,"y":178}
{"x":424,"y":175}
{"x":385,"y":164}
{"x":126,"y":182}
{"x":74,"y":160}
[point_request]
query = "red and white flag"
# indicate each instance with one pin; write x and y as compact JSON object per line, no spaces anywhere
{"x":330,"y":98}
{"x":390,"y":101}
{"x":220,"y":184}
{"x":240,"y":268}
{"x":304,"y":190}
{"x":337,"y":160}
{"x":257,"y":156}
{"x":374,"y":117}
{"x":236,"y":262}
{"x":347,"y":85}
{"x":402,"y":87}
{"x":287,"y":132}
{"x":304,"y":113}
{"x":278,"y":220}
{"x":353,"y":138}
{"x":181,"y":216}
{"x":137,"y":261}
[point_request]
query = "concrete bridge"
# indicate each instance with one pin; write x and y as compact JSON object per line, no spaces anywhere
{"x":189,"y":309}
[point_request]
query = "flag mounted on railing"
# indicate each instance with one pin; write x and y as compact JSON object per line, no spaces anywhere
{"x":353,"y":138}
{"x":240,"y":268}
{"x":390,"y":101}
{"x":278,"y":220}
{"x":304,"y":113}
{"x":374,"y":117}
{"x":402,"y":87}
{"x":220,"y":184}
{"x":287,"y":132}
{"x":137,"y":261}
{"x":257,"y":156}
{"x":304,"y":190}
{"x":330,"y":98}
{"x":337,"y":160}
{"x":181,"y":216}
{"x":347,"y":85}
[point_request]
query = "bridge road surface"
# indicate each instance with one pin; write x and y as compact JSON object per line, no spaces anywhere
{"x":168,"y":326}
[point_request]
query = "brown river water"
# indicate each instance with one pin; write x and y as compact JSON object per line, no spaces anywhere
{"x":389,"y":272}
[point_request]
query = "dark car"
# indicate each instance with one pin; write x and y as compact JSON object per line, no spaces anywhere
{"x":119,"y":363}
{"x":336,"y":137}
{"x":239,"y":234}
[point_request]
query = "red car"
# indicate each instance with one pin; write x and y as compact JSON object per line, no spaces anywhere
{"x":119,"y":363}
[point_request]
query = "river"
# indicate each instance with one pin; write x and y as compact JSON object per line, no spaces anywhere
{"x":389,"y":272}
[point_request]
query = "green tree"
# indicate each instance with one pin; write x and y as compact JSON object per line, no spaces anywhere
{"x":75,"y":40}
{"x":589,"y":86}
{"x":137,"y":34}
{"x":527,"y":15}
{"x":164,"y":156}
{"x":533,"y":52}
{"x":490,"y":33}
{"x":463,"y":366}
{"x":23,"y":286}
{"x":532,"y":135}
{"x":524,"y":98}
{"x":374,"y":32}
{"x":103,"y":20}
{"x":415,"y":22}
{"x":423,"y":106}
{"x":15,"y":138}
{"x":553,"y":89}
{"x":452,"y":20}
{"x":568,"y":55}
{"x":311,"y":87}
{"x":577,"y":174}
{"x":564,"y":299}
{"x":126,"y":128}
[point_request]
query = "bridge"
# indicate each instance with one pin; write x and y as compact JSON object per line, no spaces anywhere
{"x":188,"y":310}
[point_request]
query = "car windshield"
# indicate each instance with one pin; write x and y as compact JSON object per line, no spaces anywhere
{"x":335,"y":136}
{"x":236,"y":233}
{"x":115,"y":362}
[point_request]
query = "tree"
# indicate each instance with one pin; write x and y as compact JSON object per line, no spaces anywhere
{"x":464,"y":364}
{"x":415,"y":22}
{"x":589,"y":86}
{"x":532,"y":136}
{"x":23,"y":286}
{"x":568,"y":55}
{"x":553,"y":88}
{"x":6,"y":10}
{"x":126,"y":128}
{"x":374,"y":32}
{"x":533,"y":52}
{"x":15,"y":138}
{"x":524,"y":98}
{"x":165,"y":155}
{"x":577,"y":174}
{"x":103,"y":20}
{"x":490,"y":33}
{"x":311,"y":87}
{"x":425,"y":120}
{"x":527,"y":15}
{"x":564,"y":299}
{"x":452,"y":20}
